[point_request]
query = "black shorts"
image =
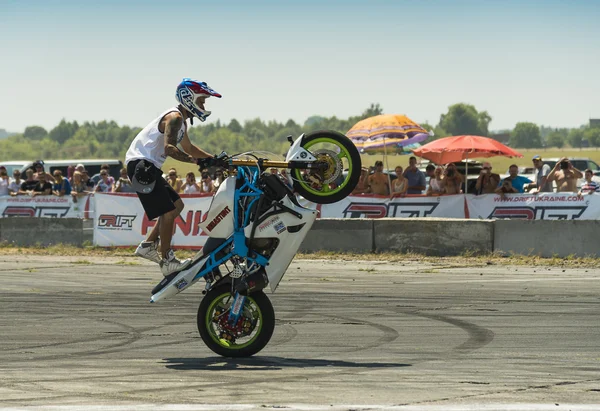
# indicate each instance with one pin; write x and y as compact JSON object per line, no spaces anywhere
{"x":159,"y":201}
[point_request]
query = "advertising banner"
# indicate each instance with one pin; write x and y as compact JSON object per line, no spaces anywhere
{"x":546,"y":206}
{"x":371,"y":206}
{"x":120,"y":220}
{"x":44,"y":206}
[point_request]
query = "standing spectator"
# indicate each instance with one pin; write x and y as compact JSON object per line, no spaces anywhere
{"x":78,"y":186}
{"x":541,"y":185}
{"x":190,"y":186}
{"x":516,"y":181}
{"x":97,"y":177}
{"x":363,"y":182}
{"x":430,"y":171}
{"x":70,"y":171}
{"x":207,"y":184}
{"x":28,"y":185}
{"x":174,"y":181}
{"x":106,"y":183}
{"x":123,"y":185}
{"x":452,"y":180}
{"x":400,"y":184}
{"x":219,"y":178}
{"x":436,"y":183}
{"x":85,"y":177}
{"x":43,"y":187}
{"x":589,"y":186}
{"x":61,"y":185}
{"x":4,"y":182}
{"x":15,"y":185}
{"x":487,"y":182}
{"x":415,"y":177}
{"x":38,"y":166}
{"x":274,"y":171}
{"x":566,"y":177}
{"x":378,"y":182}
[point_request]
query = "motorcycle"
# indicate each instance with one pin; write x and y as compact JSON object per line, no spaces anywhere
{"x":255,"y":226}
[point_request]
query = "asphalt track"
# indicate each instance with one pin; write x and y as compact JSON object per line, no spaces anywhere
{"x":79,"y":334}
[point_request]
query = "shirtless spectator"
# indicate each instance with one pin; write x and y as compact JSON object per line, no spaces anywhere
{"x":400,"y":184}
{"x":516,"y":181}
{"x":566,"y":176}
{"x":452,"y":180}
{"x":43,"y":187}
{"x":487,"y":182}
{"x":15,"y":185}
{"x":28,"y":185}
{"x":363,"y":182}
{"x":378,"y":182}
{"x":436,"y":183}
{"x":415,"y":177}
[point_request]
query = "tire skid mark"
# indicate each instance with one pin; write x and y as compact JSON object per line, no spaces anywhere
{"x":479,"y":336}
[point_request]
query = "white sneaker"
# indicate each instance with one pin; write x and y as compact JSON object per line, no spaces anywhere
{"x":149,"y":251}
{"x":171,"y":264}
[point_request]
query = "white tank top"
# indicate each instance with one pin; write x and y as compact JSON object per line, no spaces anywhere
{"x":149,"y":144}
{"x":190,"y":189}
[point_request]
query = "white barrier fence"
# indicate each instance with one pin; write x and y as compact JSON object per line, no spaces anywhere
{"x":119,"y":219}
{"x":46,"y":206}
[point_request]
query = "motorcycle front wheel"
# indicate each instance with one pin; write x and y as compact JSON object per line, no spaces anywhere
{"x":339,"y":169}
{"x":248,"y":336}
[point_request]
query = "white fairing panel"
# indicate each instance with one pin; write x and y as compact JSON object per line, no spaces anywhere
{"x":277,"y":227}
{"x":183,"y":280}
{"x":219,"y":219}
{"x":297,"y":153}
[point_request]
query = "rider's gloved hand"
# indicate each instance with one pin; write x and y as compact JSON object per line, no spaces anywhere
{"x":206,"y":162}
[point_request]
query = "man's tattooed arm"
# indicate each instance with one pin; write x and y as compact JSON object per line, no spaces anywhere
{"x":171,"y":130}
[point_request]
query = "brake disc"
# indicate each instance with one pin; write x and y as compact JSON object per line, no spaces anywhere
{"x":335,"y":165}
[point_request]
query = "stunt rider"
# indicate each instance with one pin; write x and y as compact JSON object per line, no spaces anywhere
{"x":146,"y":155}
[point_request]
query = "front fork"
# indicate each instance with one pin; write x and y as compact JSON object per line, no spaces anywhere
{"x":236,"y":308}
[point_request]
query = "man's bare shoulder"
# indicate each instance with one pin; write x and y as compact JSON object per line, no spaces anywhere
{"x":171,"y":116}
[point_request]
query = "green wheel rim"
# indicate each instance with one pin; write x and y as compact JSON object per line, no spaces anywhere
{"x":211,"y":330}
{"x":343,"y":154}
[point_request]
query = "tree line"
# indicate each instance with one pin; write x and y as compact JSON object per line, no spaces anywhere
{"x":106,"y":139}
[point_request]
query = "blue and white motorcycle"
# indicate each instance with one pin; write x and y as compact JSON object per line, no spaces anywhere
{"x":255,"y":226}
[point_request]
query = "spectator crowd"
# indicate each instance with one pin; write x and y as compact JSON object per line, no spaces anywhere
{"x":38,"y":182}
{"x":436,"y":180}
{"x":446,"y":179}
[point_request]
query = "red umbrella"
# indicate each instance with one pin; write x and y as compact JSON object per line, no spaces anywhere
{"x":451,"y":149}
{"x":457,"y":148}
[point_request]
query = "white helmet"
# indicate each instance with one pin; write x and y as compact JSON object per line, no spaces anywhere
{"x":187,"y":93}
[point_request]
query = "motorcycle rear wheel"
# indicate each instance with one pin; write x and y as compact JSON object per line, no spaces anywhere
{"x":215,"y":307}
{"x":330,"y":184}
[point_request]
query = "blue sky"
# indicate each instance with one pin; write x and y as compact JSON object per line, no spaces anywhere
{"x":121,"y":60}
